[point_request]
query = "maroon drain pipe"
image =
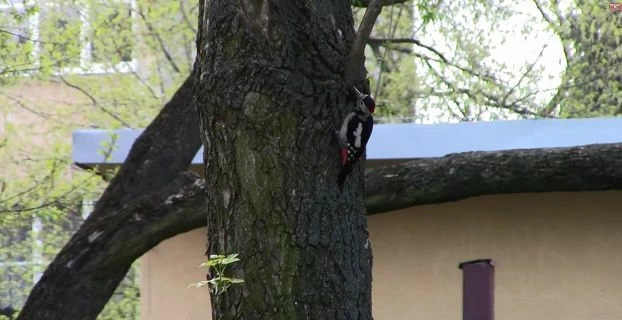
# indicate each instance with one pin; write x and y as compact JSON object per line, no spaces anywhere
{"x":478,"y":289}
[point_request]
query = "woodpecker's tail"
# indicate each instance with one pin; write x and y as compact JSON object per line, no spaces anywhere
{"x":343,"y":174}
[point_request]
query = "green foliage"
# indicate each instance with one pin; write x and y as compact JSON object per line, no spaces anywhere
{"x":592,"y":82}
{"x":220,"y":282}
{"x":15,"y":56}
{"x":428,"y":12}
{"x":66,"y":65}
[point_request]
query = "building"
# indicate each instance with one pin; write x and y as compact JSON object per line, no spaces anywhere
{"x":557,"y":254}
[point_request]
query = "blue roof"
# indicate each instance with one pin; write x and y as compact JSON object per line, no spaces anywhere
{"x":408,"y":141}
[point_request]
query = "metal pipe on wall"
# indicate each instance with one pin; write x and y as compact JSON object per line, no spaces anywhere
{"x":478,"y":289}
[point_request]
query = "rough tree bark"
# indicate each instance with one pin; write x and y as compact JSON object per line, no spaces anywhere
{"x":83,"y":276}
{"x":464,"y":175}
{"x":270,"y":89}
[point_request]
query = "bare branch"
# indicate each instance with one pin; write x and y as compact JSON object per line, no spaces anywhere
{"x":163,"y":48}
{"x":356,"y":58}
{"x":558,"y":11}
{"x":94,"y":101}
{"x":190,"y":25}
{"x":492,"y":100}
{"x":488,"y":77}
{"x":26,"y":38}
{"x":545,"y":15}
{"x":556,"y":25}
{"x":145,"y":84}
{"x":24,"y":106}
{"x":524,"y":75}
{"x":366,"y":3}
{"x":416,"y":42}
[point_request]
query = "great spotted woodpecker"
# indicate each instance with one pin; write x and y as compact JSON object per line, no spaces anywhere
{"x":354,"y":134}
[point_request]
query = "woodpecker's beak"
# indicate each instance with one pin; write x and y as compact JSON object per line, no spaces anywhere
{"x":358,"y":93}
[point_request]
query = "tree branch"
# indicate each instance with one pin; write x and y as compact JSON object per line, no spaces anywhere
{"x":366,"y":3}
{"x":523,"y":76}
{"x":407,"y":40}
{"x":464,"y":175}
{"x":490,"y":99}
{"x":94,"y":101}
{"x":356,"y":57}
{"x":557,"y":27}
{"x":156,"y":35}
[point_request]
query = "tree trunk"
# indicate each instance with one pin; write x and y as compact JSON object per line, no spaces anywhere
{"x":144,"y":204}
{"x":270,"y":89}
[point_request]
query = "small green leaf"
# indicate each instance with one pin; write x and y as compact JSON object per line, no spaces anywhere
{"x":212,"y":262}
{"x":214,"y":283}
{"x":198,"y":284}
{"x":230,"y":259}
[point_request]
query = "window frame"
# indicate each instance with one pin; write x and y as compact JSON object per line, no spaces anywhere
{"x":87,"y":66}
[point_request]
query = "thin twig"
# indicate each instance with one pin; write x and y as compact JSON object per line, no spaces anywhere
{"x":24,"y":106}
{"x":186,"y":18}
{"x":408,"y":40}
{"x":94,"y":101}
{"x":366,"y":3}
{"x":491,"y":100}
{"x":155,"y":34}
{"x":27,"y":38}
{"x":524,"y":75}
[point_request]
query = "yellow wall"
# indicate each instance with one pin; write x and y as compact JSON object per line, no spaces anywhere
{"x":165,"y":273}
{"x":558,"y":256}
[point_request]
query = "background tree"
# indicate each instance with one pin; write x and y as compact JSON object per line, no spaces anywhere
{"x":590,"y":35}
{"x":425,"y":68}
{"x":67,"y":65}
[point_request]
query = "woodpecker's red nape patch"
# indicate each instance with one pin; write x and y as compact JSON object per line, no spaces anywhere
{"x":369,"y":103}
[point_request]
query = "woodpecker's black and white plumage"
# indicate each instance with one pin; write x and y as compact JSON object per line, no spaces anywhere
{"x":354,"y":134}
